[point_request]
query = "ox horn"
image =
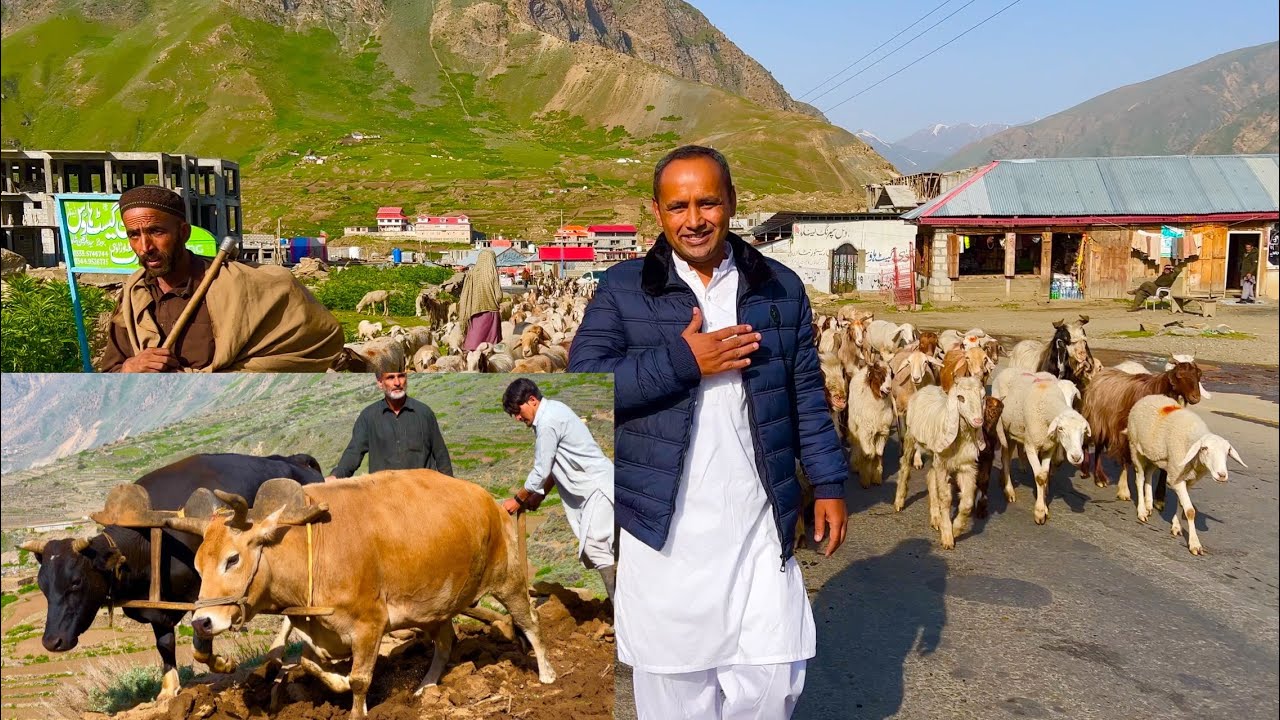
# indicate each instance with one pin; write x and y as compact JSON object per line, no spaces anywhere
{"x":1084,"y":319}
{"x":239,"y":506}
{"x":1057,"y":323}
{"x":195,"y":526}
{"x":79,"y":545}
{"x":34,"y":546}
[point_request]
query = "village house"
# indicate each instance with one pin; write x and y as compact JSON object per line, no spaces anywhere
{"x":392,"y":219}
{"x":28,"y":217}
{"x":451,"y":228}
{"x":575,"y":235}
{"x":1094,"y":228}
{"x":501,"y":243}
{"x":837,"y":252}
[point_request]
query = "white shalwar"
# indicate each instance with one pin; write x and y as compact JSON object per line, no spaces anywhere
{"x":584,"y":477}
{"x":716,"y":595}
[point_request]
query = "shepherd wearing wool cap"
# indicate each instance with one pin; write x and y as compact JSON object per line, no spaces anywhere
{"x":253,"y":318}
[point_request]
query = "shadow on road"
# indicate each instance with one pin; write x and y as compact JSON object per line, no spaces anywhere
{"x":870,"y":618}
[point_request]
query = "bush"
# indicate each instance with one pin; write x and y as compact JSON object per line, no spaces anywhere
{"x":131,"y":687}
{"x":38,"y":324}
{"x":344,"y":289}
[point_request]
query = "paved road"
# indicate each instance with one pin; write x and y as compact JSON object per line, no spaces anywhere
{"x":1090,"y":616}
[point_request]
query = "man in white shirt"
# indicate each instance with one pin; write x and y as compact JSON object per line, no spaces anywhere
{"x":566,"y":451}
{"x":718,"y":393}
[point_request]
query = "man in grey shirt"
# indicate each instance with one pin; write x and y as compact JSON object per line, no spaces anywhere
{"x":397,"y":432}
{"x":565,"y":450}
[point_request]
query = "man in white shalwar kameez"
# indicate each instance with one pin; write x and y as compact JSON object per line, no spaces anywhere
{"x":565,"y":450}
{"x":714,"y":626}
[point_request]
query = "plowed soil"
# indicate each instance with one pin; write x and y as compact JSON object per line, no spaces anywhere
{"x":489,"y":676}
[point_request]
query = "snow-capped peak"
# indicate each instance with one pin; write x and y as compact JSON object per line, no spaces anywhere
{"x":939,"y":128}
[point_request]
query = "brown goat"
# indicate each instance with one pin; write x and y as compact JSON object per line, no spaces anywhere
{"x":1109,"y":397}
{"x":927,"y":343}
{"x":992,"y":408}
{"x":959,"y":362}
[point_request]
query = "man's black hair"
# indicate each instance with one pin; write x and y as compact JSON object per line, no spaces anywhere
{"x":518,"y":393}
{"x":686,"y":152}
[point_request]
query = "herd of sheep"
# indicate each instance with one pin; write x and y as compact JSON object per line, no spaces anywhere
{"x":939,"y":392}
{"x":941,"y":395}
{"x":537,"y":329}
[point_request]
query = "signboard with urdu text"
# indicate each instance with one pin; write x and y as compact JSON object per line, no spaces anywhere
{"x":95,"y":239}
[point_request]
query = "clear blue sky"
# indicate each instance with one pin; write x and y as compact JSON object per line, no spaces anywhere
{"x":1035,"y":59}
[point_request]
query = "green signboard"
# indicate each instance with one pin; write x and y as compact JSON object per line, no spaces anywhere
{"x":96,"y":239}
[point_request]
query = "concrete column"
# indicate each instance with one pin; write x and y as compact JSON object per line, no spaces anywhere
{"x":1046,"y":264}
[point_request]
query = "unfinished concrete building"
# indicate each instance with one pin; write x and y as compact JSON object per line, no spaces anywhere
{"x":210,"y":186}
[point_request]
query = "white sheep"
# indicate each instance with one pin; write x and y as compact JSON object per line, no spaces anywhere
{"x":949,"y":427}
{"x":1166,"y":435}
{"x":424,"y":357}
{"x":1039,"y":418}
{"x":368,"y":330}
{"x":887,"y":338}
{"x":948,"y":339}
{"x":416,"y":338}
{"x":871,"y":418}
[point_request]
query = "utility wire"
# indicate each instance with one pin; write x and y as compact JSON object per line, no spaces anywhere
{"x":886,"y":42}
{"x":882,"y":57}
{"x":922,"y":57}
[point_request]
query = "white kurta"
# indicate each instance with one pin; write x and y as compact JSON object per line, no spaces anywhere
{"x":565,"y":448}
{"x":716,"y":595}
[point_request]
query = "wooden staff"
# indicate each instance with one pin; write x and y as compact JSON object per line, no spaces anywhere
{"x":224,"y":250}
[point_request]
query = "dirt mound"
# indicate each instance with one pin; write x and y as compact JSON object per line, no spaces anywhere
{"x":488,"y":676}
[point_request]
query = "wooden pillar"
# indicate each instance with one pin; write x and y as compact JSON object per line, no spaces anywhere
{"x":1046,"y":263}
{"x":953,"y":256}
{"x":1010,"y":254}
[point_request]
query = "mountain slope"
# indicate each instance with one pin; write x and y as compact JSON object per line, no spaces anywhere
{"x":479,"y":106}
{"x":925,"y":149}
{"x":942,"y":140}
{"x":1224,"y":104}
{"x":50,"y":416}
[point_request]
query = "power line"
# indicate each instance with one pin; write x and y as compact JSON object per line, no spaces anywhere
{"x":882,"y":57}
{"x":886,"y":42}
{"x":922,"y":57}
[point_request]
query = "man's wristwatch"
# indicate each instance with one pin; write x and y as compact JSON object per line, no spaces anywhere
{"x":528,"y":500}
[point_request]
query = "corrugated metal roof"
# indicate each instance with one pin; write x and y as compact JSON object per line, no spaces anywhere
{"x":1064,"y":187}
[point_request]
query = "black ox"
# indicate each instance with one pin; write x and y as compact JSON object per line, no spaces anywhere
{"x":79,"y":577}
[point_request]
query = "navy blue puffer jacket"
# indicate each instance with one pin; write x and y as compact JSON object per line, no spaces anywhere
{"x":632,"y":329}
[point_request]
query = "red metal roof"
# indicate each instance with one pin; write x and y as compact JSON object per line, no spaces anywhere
{"x":390,"y":212}
{"x":612,"y":228}
{"x":556,"y":253}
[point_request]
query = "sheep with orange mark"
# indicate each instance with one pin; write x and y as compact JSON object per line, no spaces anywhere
{"x":1166,"y":435}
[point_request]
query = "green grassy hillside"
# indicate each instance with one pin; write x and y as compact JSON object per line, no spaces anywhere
{"x":475,"y":111}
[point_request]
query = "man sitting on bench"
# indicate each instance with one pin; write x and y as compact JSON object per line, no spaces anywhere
{"x":1165,"y":279}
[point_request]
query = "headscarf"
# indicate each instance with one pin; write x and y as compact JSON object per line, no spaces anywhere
{"x":481,"y":291}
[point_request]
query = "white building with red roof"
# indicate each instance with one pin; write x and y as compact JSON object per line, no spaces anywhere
{"x":392,"y":219}
{"x":450,"y":228}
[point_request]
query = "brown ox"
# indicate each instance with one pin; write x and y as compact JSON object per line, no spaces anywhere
{"x":379,"y":566}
